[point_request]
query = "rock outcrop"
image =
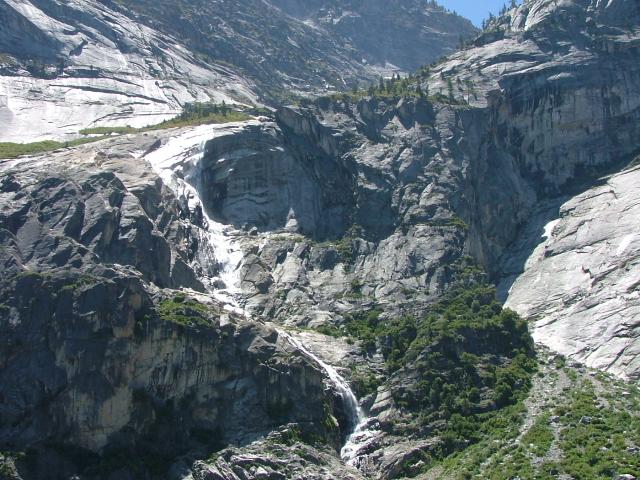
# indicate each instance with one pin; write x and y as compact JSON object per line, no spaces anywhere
{"x":580,"y":283}
{"x":99,"y":357}
{"x":154,"y":261}
{"x":365,"y":202}
{"x":400,"y":35}
{"x":81,"y":64}
{"x":94,"y":206}
{"x":86,"y":63}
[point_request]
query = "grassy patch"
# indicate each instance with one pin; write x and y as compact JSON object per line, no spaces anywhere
{"x":13,"y":150}
{"x":184,"y":311}
{"x":539,"y":437}
{"x":502,"y":426}
{"x":108,"y":130}
{"x":194,"y":120}
{"x":193,"y":115}
{"x":598,"y":424}
{"x":598,"y":441}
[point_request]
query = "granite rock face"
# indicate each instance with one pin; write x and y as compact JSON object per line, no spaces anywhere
{"x":82,"y":64}
{"x":334,"y":207}
{"x":105,"y":208}
{"x":400,"y":34}
{"x":86,"y":63}
{"x":281,"y":455}
{"x":580,"y":283}
{"x":101,"y":353}
{"x":419,"y":183}
{"x":561,"y":105}
{"x":349,"y":204}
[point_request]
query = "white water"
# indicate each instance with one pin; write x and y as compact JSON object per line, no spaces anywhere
{"x":182,"y":155}
{"x":177,"y":162}
{"x":358,"y":421}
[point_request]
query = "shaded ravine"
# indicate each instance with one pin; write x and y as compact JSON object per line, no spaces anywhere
{"x":178,"y":164}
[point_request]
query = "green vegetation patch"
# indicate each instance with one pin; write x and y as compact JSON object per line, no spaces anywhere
{"x":365,"y":383}
{"x":458,"y":91}
{"x":184,"y":311}
{"x":463,"y":370}
{"x":539,"y":437}
{"x":597,"y":424}
{"x":471,"y":357}
{"x":599,"y":441}
{"x":108,"y":130}
{"x":13,"y":150}
{"x":194,"y":114}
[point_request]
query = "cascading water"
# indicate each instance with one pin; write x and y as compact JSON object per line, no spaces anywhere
{"x":349,"y":399}
{"x":178,"y":163}
{"x":358,"y":421}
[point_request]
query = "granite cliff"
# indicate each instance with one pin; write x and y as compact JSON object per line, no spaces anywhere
{"x":215,"y":296}
{"x":92,"y":63}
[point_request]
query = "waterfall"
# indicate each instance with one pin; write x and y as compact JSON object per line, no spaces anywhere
{"x":360,"y":433}
{"x":178,"y":163}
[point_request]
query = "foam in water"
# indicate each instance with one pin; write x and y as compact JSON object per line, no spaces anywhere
{"x":361,"y":434}
{"x":183,"y":154}
{"x":177,"y":162}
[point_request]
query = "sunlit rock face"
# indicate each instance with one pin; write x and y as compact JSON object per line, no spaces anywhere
{"x":74,"y":65}
{"x":97,"y":251}
{"x":401,"y":34}
{"x":580,"y":283}
{"x":321,"y":212}
{"x":84,"y":63}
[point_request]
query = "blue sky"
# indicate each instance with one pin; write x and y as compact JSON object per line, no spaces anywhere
{"x":474,"y":10}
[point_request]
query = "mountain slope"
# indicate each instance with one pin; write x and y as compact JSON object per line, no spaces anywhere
{"x":405,"y":34}
{"x":86,"y":63}
{"x":260,"y":268}
{"x":74,"y":65}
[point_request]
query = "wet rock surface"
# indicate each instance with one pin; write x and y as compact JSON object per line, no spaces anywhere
{"x":97,"y":356}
